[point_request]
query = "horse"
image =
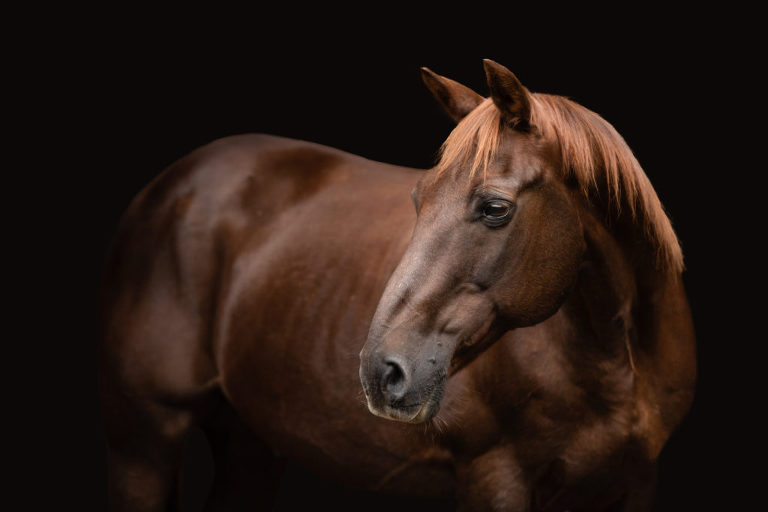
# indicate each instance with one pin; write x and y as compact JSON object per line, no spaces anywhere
{"x":508,"y":328}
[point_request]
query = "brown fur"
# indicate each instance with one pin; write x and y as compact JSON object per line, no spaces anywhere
{"x":547,"y":365}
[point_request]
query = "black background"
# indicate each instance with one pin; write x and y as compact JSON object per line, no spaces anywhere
{"x":133,"y":97}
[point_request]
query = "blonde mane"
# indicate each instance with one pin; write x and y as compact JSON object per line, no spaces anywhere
{"x":593,"y":153}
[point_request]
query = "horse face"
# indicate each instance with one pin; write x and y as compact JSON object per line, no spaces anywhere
{"x":489,"y":253}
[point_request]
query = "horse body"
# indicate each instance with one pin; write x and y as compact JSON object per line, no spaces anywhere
{"x":220,"y":302}
{"x":243,"y":282}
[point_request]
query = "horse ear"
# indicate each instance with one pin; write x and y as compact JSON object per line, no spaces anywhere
{"x":509,"y":95}
{"x":458,"y":100}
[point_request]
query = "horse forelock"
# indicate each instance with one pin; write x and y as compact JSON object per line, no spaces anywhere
{"x":592,"y":152}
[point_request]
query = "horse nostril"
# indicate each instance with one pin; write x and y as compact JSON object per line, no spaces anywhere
{"x":393,"y":383}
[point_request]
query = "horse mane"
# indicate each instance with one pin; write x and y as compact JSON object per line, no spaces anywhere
{"x":593,"y":153}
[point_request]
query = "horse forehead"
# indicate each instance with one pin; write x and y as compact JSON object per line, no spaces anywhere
{"x":512,"y":170}
{"x":523,"y":156}
{"x":520,"y":158}
{"x":509,"y":174}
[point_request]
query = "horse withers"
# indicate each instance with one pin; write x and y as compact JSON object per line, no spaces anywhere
{"x":519,"y":308}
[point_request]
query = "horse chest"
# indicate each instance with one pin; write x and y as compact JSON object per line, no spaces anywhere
{"x":534,"y":407}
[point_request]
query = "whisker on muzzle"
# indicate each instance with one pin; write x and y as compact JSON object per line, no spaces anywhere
{"x":361,"y":397}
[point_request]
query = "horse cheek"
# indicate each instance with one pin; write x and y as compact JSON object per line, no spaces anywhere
{"x":546,"y":253}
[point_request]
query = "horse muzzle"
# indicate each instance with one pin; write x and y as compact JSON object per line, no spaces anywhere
{"x":402,"y":390}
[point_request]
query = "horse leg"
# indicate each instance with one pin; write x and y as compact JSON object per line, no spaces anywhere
{"x":247,"y":472}
{"x":492,"y":481}
{"x":145,"y":441}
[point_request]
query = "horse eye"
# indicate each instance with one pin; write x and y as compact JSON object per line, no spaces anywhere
{"x":497,"y":209}
{"x":497,"y":212}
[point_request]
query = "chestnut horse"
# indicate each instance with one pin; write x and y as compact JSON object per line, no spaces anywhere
{"x":519,"y":307}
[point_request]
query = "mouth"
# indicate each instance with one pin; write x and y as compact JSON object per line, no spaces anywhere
{"x":416,"y":413}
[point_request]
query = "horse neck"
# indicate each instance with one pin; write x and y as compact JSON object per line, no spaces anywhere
{"x":603,"y":306}
{"x":637,"y":317}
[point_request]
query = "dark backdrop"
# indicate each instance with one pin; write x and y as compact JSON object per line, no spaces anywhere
{"x":152,"y":97}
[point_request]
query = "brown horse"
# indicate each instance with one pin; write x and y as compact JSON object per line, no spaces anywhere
{"x":526,"y":322}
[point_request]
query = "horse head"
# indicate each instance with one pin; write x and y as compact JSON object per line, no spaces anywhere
{"x":497,"y":245}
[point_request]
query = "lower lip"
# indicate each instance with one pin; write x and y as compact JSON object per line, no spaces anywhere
{"x":423,"y":414}
{"x":393,"y":414}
